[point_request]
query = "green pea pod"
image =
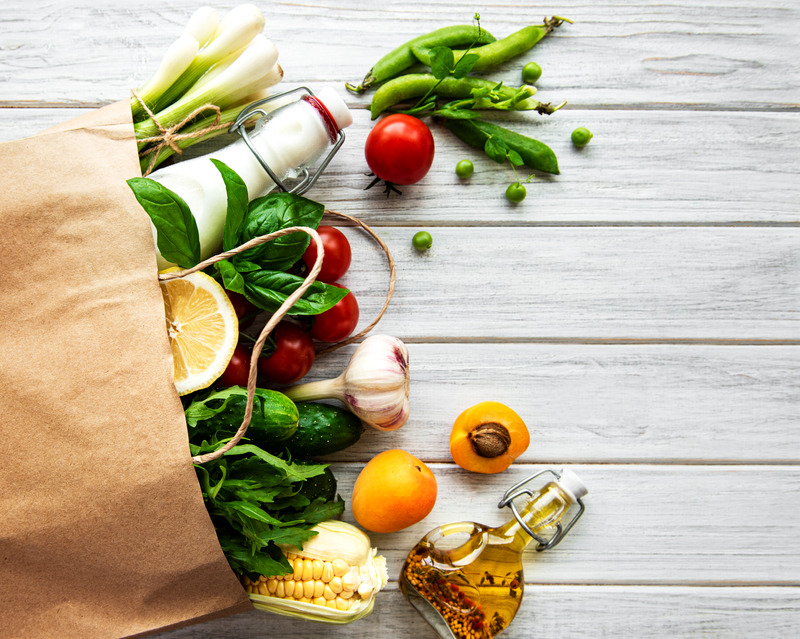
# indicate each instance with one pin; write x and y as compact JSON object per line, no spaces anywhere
{"x":415,"y":85}
{"x":499,"y":51}
{"x":536,"y":155}
{"x":401,"y":58}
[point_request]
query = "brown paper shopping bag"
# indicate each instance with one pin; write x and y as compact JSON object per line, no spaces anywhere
{"x":103,"y":530}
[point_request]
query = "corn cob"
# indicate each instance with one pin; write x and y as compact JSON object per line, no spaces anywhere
{"x":334,"y":578}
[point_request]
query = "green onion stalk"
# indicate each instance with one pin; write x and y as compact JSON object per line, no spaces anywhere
{"x":220,"y":63}
{"x":179,"y":56}
{"x":236,"y":31}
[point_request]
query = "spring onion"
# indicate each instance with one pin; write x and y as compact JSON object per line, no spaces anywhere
{"x":244,"y":76}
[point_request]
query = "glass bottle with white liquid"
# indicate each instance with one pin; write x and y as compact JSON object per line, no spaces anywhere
{"x":291,"y":138}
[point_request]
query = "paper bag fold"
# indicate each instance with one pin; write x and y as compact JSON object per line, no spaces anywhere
{"x":103,"y":531}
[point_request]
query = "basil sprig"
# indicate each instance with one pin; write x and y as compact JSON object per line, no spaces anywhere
{"x":178,"y":238}
{"x":260,"y":272}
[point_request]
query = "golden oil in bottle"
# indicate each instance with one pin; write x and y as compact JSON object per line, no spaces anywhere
{"x":466,"y":579}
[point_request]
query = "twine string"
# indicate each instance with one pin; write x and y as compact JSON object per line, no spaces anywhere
{"x":169,"y":136}
{"x":283,"y":310}
{"x":389,"y":292}
{"x":268,"y":327}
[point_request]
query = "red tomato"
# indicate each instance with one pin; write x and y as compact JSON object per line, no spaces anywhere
{"x":399,"y":149}
{"x":238,"y":369}
{"x":293,"y":356}
{"x":338,"y":322}
{"x":337,"y":256}
{"x":243,"y":308}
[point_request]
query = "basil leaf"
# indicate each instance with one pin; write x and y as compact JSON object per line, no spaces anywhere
{"x":236,"y":192}
{"x":231,"y":278}
{"x":464,"y":65}
{"x":243,"y":266}
{"x":442,"y":62}
{"x":274,"y":212}
{"x":269,"y":289}
{"x":177,"y":237}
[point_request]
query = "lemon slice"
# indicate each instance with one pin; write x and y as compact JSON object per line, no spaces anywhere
{"x":203,"y":329}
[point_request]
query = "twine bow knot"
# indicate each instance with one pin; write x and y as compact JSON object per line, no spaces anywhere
{"x":169,"y":136}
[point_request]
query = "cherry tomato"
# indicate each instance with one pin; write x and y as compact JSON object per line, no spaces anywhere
{"x":338,"y":322}
{"x":399,"y":149}
{"x":337,"y":256}
{"x":293,"y":356}
{"x":243,"y":307}
{"x":238,"y":369}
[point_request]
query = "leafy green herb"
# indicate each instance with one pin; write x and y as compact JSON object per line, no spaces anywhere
{"x":236,"y":192}
{"x":231,"y":277}
{"x":272,"y":213}
{"x":177,"y":237}
{"x":269,"y":289}
{"x":255,"y":503}
{"x":443,"y":65}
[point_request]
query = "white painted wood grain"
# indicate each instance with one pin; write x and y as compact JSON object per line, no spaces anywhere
{"x":602,"y":403}
{"x":614,"y":283}
{"x":731,"y":54}
{"x":644,"y":524}
{"x":695,"y":112}
{"x":642,"y":167}
{"x":575,"y":612}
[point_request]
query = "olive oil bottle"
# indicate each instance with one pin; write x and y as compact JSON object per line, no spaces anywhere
{"x":466,"y":579}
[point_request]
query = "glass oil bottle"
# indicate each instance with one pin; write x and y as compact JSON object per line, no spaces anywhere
{"x":466,"y":579}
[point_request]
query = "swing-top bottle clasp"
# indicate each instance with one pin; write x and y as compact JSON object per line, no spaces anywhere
{"x":335,"y":133}
{"x":519,"y":489}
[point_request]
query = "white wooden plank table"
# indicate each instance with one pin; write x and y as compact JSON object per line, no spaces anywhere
{"x":640,"y":310}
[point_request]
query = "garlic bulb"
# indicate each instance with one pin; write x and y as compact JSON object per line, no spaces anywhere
{"x":374,"y":386}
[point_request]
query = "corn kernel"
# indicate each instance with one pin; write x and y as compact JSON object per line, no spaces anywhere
{"x":340,"y":567}
{"x":308,"y":589}
{"x":318,"y":566}
{"x":336,"y":585}
{"x":288,"y":587}
{"x":308,"y":569}
{"x":304,"y":600}
{"x":331,"y":603}
{"x":262,"y":589}
{"x":328,"y":593}
{"x":272,"y":584}
{"x":298,"y":569}
{"x":291,"y":556}
{"x":327,"y":571}
{"x":346,"y":594}
{"x":343,"y":604}
{"x":350,"y":581}
{"x":319,"y":588}
{"x":280,"y":591}
{"x":320,"y":601}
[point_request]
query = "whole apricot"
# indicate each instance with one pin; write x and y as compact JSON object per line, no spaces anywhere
{"x":392,"y":492}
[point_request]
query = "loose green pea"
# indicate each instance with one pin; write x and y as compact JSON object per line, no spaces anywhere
{"x":422,"y":241}
{"x":465,"y":169}
{"x":531,"y":72}
{"x":581,"y":136}
{"x":516,"y":192}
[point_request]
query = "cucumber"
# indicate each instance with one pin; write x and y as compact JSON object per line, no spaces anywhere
{"x":323,"y":429}
{"x":275,"y":416}
{"x":322,"y":486}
